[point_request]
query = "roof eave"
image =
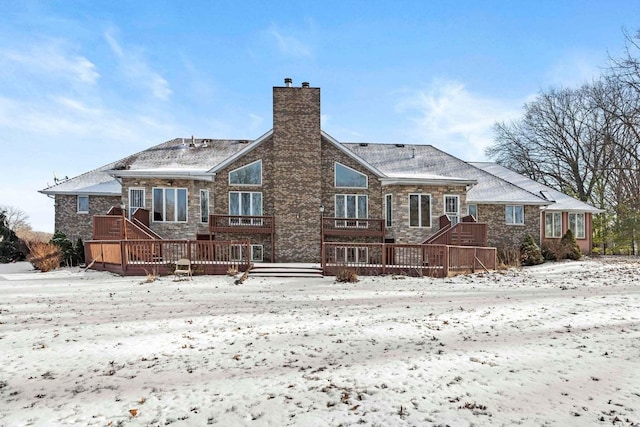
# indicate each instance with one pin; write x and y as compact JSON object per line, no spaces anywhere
{"x":353,"y":155}
{"x":177,"y":174}
{"x":426,"y":181}
{"x":250,"y":147}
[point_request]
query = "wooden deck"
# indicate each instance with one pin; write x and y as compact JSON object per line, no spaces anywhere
{"x":141,"y":257}
{"x":413,"y":260}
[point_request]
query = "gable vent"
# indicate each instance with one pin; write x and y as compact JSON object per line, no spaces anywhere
{"x":399,"y":145}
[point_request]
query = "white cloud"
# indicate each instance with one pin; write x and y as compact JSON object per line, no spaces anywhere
{"x":288,"y":44}
{"x":137,"y":70}
{"x":50,"y":58}
{"x":450,"y":117}
{"x":576,"y":69}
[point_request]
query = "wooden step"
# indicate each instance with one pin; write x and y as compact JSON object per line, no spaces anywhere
{"x":286,"y":270}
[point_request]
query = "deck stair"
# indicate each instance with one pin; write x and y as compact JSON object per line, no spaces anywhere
{"x":286,"y":270}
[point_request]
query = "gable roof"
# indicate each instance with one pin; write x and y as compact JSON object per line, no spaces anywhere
{"x":416,"y":160}
{"x":561,"y":201}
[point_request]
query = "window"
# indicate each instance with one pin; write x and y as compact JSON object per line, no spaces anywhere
{"x":237,"y":253}
{"x":473,"y":211}
{"x":419,"y":210}
{"x":136,"y":200}
{"x":576,"y":225}
{"x":388,"y":211}
{"x":250,"y":174}
{"x":552,"y":225}
{"x":170,"y":204}
{"x":204,"y":206}
{"x":245,"y":203}
{"x":452,"y":208}
{"x":351,"y":206}
{"x":514,"y":214}
{"x":349,"y":178}
{"x":83,"y":204}
{"x":351,"y":255}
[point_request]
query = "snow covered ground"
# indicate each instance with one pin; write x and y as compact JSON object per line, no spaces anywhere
{"x":557,"y":344}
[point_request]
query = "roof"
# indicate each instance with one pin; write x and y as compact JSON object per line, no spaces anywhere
{"x":561,"y":201}
{"x":177,"y":158}
{"x":411,"y":160}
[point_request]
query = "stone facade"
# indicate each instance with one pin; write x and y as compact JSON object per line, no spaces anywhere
{"x":509,"y":236}
{"x":400,"y":230}
{"x":80,"y":225}
{"x":172,"y":230}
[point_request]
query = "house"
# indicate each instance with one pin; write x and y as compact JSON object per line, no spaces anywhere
{"x":295,"y":188}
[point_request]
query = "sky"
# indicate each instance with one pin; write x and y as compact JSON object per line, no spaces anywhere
{"x":85,"y":83}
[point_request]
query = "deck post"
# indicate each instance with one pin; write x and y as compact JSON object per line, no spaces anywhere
{"x":445,"y":261}
{"x":384,"y":258}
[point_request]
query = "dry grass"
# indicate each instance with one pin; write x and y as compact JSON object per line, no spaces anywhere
{"x":346,"y":276}
{"x":44,"y":256}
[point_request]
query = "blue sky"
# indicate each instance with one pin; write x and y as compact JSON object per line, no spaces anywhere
{"x":84,"y":83}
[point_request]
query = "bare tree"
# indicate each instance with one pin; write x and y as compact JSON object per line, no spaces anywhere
{"x":16,"y":218}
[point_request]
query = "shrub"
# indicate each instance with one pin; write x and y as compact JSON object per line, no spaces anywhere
{"x":571,"y":248}
{"x":508,"y":258}
{"x":66,"y":247}
{"x":530,"y":253}
{"x":346,"y":276}
{"x":78,"y":251}
{"x":45,"y":256}
{"x":10,"y":245}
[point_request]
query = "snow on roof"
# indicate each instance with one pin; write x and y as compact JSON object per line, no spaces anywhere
{"x":560,"y":201}
{"x":406,"y":159}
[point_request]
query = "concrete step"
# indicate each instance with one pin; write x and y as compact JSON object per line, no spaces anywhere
{"x":281,"y":270}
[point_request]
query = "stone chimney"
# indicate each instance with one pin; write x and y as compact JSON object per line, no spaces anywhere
{"x":297,"y":174}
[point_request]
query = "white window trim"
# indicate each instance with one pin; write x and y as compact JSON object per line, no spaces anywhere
{"x":203,"y":190}
{"x":584,"y":225}
{"x":78,"y":204}
{"x":420,"y":195}
{"x":240,"y":249}
{"x":545,"y":224}
{"x":252,"y":221}
{"x":244,"y":166}
{"x":164,"y":207}
{"x":444,"y":201}
{"x":348,"y":221}
{"x":514,"y":223}
{"x":335,"y":177}
{"x":144,"y":199}
{"x":360,"y":252}
{"x":388,"y":210}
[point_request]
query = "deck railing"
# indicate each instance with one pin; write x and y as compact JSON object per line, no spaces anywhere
{"x":416,"y":260}
{"x":462,"y":234}
{"x":135,"y":257}
{"x":109,"y":227}
{"x":241,"y":224}
{"x":353,"y":227}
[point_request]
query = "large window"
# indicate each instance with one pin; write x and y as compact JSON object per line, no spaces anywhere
{"x":204,"y":206}
{"x":83,"y":204}
{"x":349,"y":178}
{"x":250,"y":174}
{"x":452,"y":208}
{"x":576,"y":225}
{"x":514,"y":214}
{"x":420,"y":210}
{"x":136,"y":200}
{"x":238,"y":253}
{"x":388,"y":210}
{"x":552,"y":225}
{"x":170,"y":204}
{"x":245,"y":203}
{"x":351,"y":206}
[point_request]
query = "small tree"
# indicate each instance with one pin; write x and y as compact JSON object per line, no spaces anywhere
{"x":530,"y":253}
{"x":78,"y":251}
{"x":570,"y":246}
{"x":66,"y":248}
{"x":9,"y":242}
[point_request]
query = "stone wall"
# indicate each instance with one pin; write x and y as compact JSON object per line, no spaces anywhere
{"x":80,"y":225}
{"x":509,"y":236}
{"x":400,"y":229}
{"x":173,"y":230}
